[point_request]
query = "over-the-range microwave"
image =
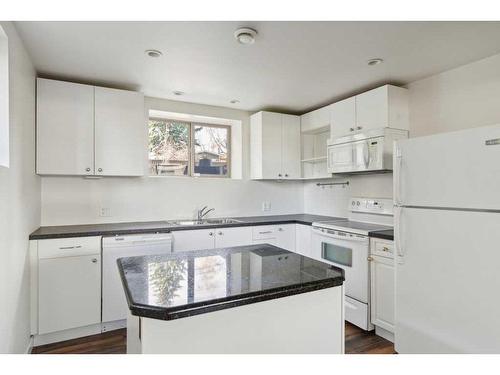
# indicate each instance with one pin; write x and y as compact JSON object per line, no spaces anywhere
{"x":365,"y":152}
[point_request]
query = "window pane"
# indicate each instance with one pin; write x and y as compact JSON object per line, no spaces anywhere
{"x":211,"y":150}
{"x":168,"y":148}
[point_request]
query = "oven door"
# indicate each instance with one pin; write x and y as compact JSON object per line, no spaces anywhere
{"x":347,"y":251}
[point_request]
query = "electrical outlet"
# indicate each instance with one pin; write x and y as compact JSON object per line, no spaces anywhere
{"x":266,"y":206}
{"x":105,"y":212}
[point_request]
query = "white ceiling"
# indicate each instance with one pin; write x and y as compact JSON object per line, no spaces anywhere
{"x":293,"y":66}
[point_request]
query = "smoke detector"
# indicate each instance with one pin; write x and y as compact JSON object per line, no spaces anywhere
{"x":245,"y":35}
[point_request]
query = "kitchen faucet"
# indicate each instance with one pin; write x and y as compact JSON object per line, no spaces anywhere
{"x":202,"y":212}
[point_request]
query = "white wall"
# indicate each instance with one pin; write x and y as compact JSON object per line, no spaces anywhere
{"x":19,"y":200}
{"x":73,"y":200}
{"x":464,"y":97}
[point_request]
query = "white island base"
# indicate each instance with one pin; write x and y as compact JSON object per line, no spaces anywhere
{"x":308,"y":323}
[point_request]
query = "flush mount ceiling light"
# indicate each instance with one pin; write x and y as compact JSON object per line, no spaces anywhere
{"x":376,"y":61}
{"x":245,"y":35}
{"x":178,"y":93}
{"x":153,"y":53}
{"x":234,"y":101}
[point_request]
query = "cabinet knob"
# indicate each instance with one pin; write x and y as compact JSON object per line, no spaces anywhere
{"x":220,"y":233}
{"x":369,"y":259}
{"x":279,"y":174}
{"x":385,"y":248}
{"x":286,"y":175}
{"x":352,"y":129}
{"x":280,"y":229}
{"x":99,"y":170}
{"x":87,"y":169}
{"x":359,"y":127}
{"x":94,"y":260}
{"x":210,"y":233}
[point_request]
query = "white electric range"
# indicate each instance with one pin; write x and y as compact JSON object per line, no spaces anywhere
{"x":345,"y":244}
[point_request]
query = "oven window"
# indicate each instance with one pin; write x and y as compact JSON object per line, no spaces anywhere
{"x":336,"y":254}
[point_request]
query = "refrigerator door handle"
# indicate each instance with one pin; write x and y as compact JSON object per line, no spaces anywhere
{"x":397,"y":180}
{"x":397,"y":233}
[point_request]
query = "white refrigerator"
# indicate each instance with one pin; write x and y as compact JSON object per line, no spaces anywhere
{"x":447,"y":233}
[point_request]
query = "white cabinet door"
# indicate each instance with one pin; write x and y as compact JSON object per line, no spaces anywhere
{"x":343,"y":117}
{"x":120,"y":133}
{"x":196,"y":239}
{"x":315,"y":120}
{"x":382,"y":292}
{"x":69,"y":292}
{"x":65,"y":128}
{"x":372,"y":109}
{"x":303,"y":239}
{"x":226,"y":237}
{"x":286,"y":236}
{"x":290,"y":147}
{"x":271,"y":145}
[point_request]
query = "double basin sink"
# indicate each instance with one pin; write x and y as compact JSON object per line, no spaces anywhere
{"x":220,"y":221}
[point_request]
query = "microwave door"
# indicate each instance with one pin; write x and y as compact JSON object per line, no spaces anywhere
{"x":340,"y":158}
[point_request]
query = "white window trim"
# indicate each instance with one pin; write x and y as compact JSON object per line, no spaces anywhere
{"x":236,"y":153}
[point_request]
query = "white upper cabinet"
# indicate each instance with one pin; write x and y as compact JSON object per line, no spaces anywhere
{"x":290,"y":147}
{"x":87,"y":130}
{"x":65,"y":128}
{"x":274,"y":146}
{"x":315,"y":120}
{"x":385,"y":106}
{"x":120,"y":133}
{"x":343,"y":117}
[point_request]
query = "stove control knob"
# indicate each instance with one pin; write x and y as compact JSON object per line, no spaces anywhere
{"x":358,"y":203}
{"x":353,"y":203}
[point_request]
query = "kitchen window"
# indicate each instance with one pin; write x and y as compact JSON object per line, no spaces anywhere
{"x":179,"y":148}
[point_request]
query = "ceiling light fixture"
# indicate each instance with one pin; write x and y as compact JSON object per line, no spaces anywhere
{"x":376,"y":61}
{"x":234,"y":101}
{"x":153,"y":53}
{"x":245,"y":35}
{"x":178,"y":93}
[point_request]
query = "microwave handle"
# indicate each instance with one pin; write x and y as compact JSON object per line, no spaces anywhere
{"x":366,"y":154}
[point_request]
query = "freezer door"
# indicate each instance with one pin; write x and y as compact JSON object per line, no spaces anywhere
{"x":459,"y":169}
{"x":447,"y":282}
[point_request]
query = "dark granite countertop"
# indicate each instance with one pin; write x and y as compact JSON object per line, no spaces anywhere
{"x":112,"y":229}
{"x":178,"y":285}
{"x":387,"y":234}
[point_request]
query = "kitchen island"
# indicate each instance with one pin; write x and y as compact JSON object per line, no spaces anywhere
{"x":246,"y":299}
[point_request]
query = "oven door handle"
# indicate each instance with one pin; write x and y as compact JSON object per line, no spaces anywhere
{"x":318,"y":231}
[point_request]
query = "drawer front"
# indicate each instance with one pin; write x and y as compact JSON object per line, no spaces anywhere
{"x":264,"y":232}
{"x":383,"y":248}
{"x":68,"y":247}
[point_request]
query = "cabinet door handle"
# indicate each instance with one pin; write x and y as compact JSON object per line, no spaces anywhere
{"x":87,"y":169}
{"x":266,"y":232}
{"x":286,"y":175}
{"x":220,"y":233}
{"x":210,"y":233}
{"x":99,"y":170}
{"x":352,"y":129}
{"x":279,"y":174}
{"x":94,"y":260}
{"x":280,"y":229}
{"x":359,"y":127}
{"x":385,"y":248}
{"x":369,"y":259}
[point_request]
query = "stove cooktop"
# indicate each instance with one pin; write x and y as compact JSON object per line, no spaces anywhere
{"x":345,"y":225}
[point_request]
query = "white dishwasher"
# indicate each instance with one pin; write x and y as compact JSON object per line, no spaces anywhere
{"x":114,"y":303}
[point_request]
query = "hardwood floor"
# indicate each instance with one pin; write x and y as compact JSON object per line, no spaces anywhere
{"x":357,"y":341}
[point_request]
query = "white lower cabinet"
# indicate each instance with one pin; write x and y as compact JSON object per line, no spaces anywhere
{"x":286,"y":237}
{"x":382,"y":290}
{"x":69,"y":283}
{"x":226,"y":237}
{"x":303,"y":239}
{"x":199,"y":239}
{"x":278,"y":235}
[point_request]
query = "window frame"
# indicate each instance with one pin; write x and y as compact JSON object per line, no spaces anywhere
{"x":191,"y":147}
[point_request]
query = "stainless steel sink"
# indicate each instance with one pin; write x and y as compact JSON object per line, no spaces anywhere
{"x":219,"y":221}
